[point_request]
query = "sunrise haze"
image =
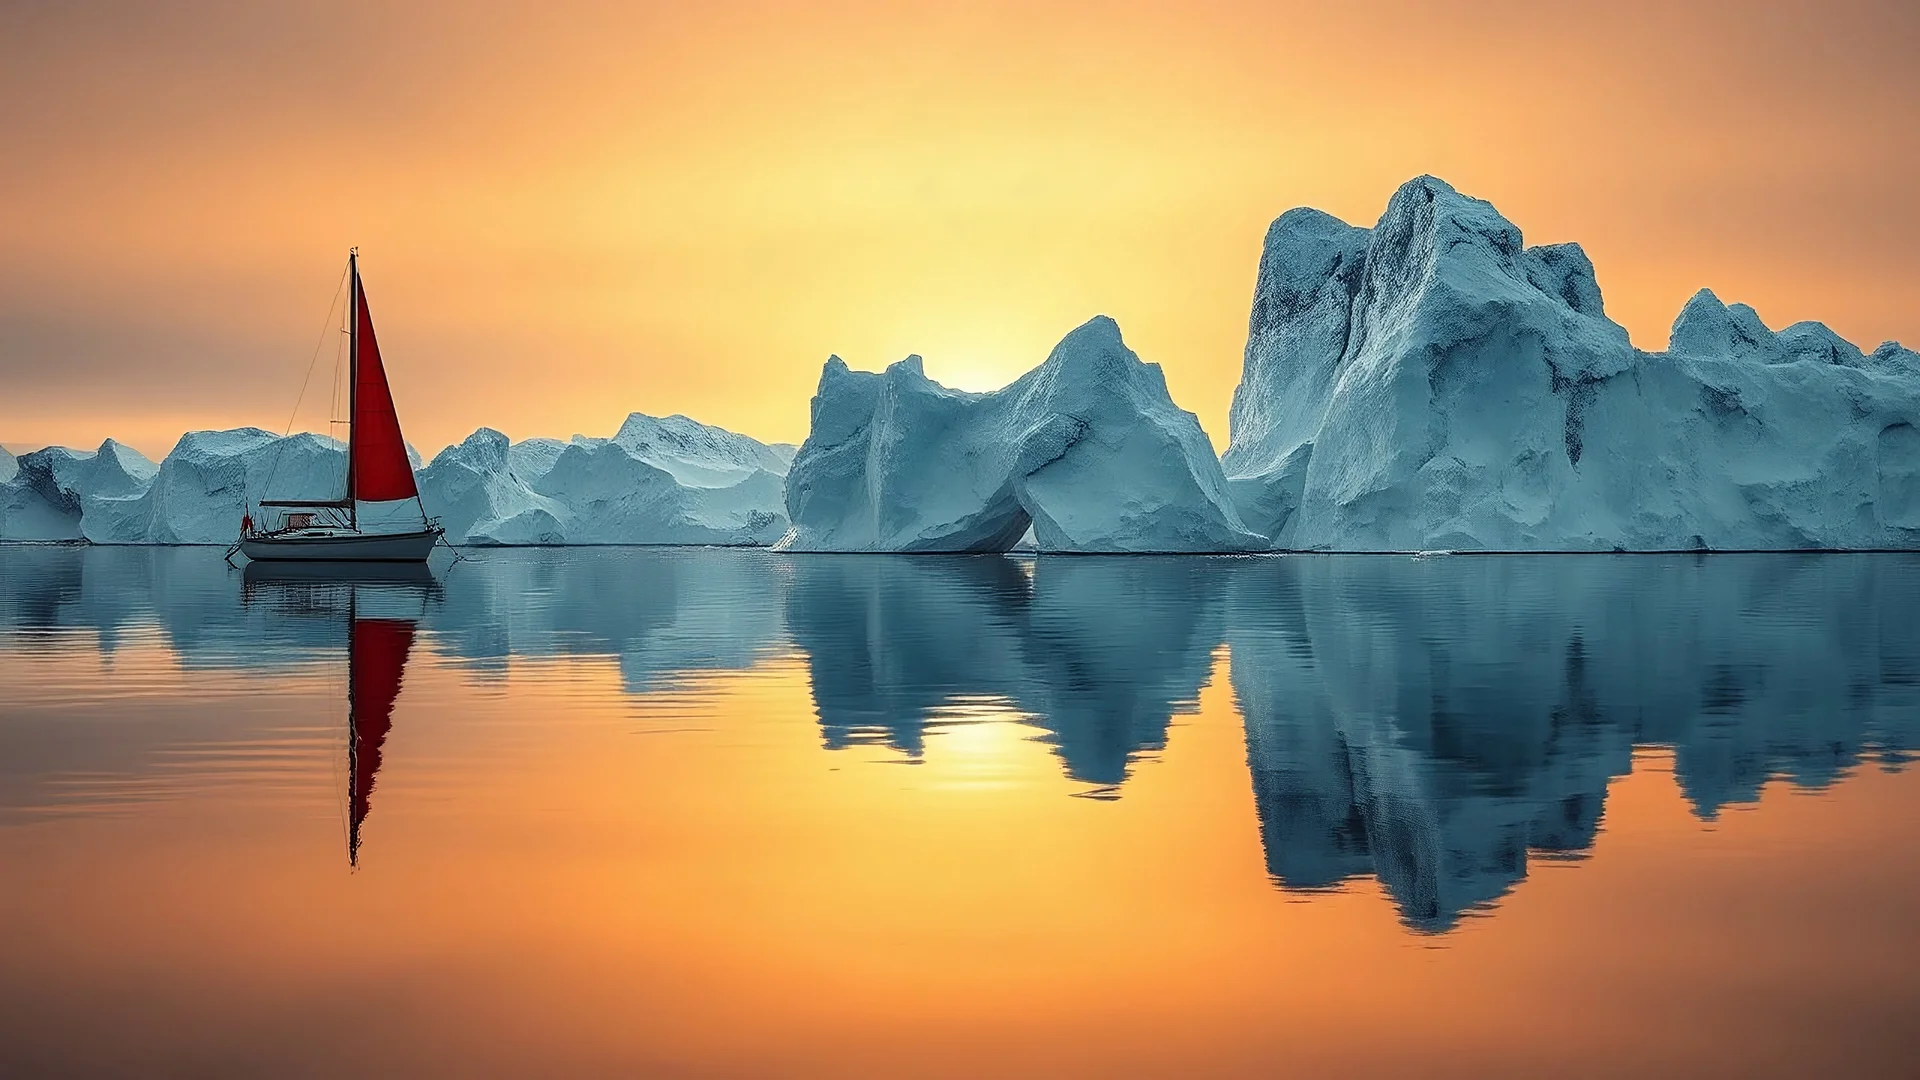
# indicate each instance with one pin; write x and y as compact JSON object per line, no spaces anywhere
{"x":569,"y":212}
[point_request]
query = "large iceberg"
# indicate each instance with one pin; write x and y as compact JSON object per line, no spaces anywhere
{"x":1088,"y":450}
{"x":211,"y":478}
{"x":1432,"y":383}
{"x":52,"y":491}
{"x":658,"y":481}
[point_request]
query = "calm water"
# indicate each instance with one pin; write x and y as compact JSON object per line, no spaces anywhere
{"x":643,"y":812}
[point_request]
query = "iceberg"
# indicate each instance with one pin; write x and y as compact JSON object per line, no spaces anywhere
{"x":475,"y":488}
{"x":670,"y":481}
{"x":698,"y":455}
{"x":1434,"y":384}
{"x":531,"y":458}
{"x":1429,"y":384}
{"x":1088,"y":450}
{"x":210,"y":478}
{"x":52,"y":492}
{"x":32,"y":506}
{"x":658,"y":481}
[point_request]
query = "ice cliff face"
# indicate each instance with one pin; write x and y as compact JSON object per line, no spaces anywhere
{"x":477,"y":490}
{"x":1088,"y":449}
{"x":210,"y":478}
{"x":669,"y":481}
{"x":1434,"y":383}
{"x":51,"y":489}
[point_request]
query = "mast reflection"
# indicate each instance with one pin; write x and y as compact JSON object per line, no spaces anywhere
{"x":376,"y":663}
{"x":381,"y":605}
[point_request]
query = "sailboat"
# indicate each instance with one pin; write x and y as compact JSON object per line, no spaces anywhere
{"x":380,"y":517}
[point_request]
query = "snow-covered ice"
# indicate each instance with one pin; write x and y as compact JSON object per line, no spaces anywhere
{"x":476,"y":490}
{"x":531,"y":458}
{"x":697,"y":455}
{"x":1433,"y":383}
{"x":1088,"y":449}
{"x":669,"y":481}
{"x":656,"y":481}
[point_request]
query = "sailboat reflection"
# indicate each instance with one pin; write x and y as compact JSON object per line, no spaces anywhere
{"x":376,"y":662}
{"x":382,"y":605}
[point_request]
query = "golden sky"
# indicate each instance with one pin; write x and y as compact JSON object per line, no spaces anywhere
{"x":568,"y":212}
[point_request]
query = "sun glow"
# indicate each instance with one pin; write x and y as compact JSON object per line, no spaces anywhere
{"x":687,"y":208}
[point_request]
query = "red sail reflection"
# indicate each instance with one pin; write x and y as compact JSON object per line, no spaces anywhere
{"x":376,"y":662}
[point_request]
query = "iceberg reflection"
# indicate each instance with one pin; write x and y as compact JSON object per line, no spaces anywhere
{"x":1098,"y":653}
{"x":1432,"y":723}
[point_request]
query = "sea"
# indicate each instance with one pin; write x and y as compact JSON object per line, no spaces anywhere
{"x":709,"y":812}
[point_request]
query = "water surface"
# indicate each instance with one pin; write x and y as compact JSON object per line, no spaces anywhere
{"x":658,"y":811}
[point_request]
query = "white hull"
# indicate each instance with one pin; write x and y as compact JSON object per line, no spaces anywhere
{"x":342,"y":547}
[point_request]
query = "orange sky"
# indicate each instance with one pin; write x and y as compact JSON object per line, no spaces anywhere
{"x":570,"y":212}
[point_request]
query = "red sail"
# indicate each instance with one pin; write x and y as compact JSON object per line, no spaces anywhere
{"x":381,"y":472}
{"x":378,"y":660}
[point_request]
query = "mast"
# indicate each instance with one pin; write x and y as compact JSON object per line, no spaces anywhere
{"x":353,"y":738}
{"x":353,"y":374}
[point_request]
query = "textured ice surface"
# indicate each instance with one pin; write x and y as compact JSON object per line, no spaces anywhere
{"x":657,"y":481}
{"x":531,"y":458}
{"x":1433,"y":383}
{"x":480,"y":498}
{"x":210,"y":478}
{"x":54,"y":492}
{"x":621,"y":490}
{"x":668,"y":481}
{"x":697,"y":455}
{"x":1088,"y":449}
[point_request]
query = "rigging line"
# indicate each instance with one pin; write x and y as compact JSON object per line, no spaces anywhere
{"x":311,"y":364}
{"x":333,"y":388}
{"x":274,"y":472}
{"x":343,"y":364}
